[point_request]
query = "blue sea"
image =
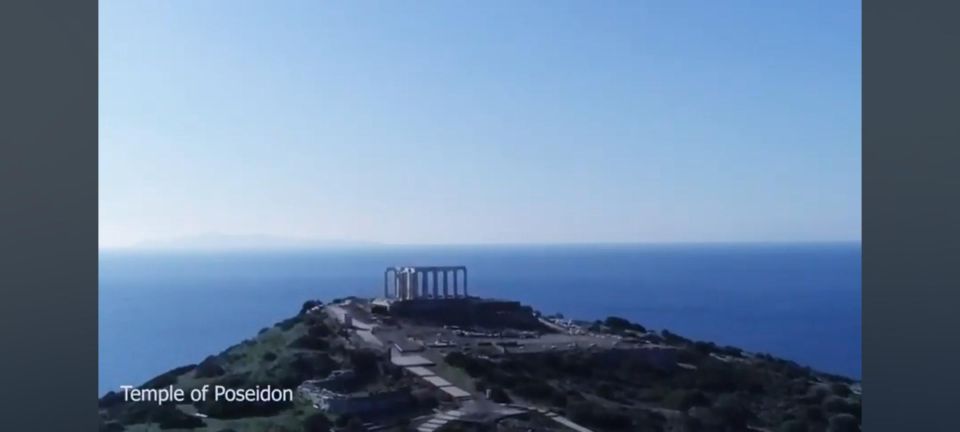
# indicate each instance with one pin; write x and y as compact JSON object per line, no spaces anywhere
{"x":159,"y":310}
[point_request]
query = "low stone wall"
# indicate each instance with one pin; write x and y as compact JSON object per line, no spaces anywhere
{"x":489,"y":313}
{"x":375,"y":402}
{"x":336,"y":403}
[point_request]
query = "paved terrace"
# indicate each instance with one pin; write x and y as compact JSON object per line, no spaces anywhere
{"x":473,"y":406}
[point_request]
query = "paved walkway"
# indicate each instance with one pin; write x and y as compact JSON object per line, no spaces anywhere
{"x":438,"y":420}
{"x":368,"y":337}
{"x":363,"y":329}
{"x":562,"y":420}
{"x":341,"y":315}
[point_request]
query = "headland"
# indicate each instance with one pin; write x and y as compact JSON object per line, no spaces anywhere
{"x":428,"y":356}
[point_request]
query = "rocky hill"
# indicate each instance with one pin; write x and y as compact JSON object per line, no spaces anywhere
{"x":643,"y":381}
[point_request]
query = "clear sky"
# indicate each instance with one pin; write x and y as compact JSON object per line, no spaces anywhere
{"x":439,"y":122}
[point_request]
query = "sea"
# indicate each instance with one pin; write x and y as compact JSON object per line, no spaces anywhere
{"x":802,"y":302}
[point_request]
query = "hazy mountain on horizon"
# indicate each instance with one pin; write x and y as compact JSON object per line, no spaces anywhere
{"x":226,"y":242}
{"x":243,"y":241}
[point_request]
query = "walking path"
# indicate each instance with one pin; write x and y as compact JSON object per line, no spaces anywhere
{"x":368,"y":337}
{"x":562,"y":420}
{"x":364,"y":330}
{"x":438,"y":420}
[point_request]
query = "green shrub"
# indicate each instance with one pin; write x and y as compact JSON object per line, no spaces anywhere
{"x":815,"y":394}
{"x":673,"y":338}
{"x":110,"y":400}
{"x":606,"y":390}
{"x":209,"y":367}
{"x":355,"y":425}
{"x":731,"y":351}
{"x":840,"y":389}
{"x":343,"y":420}
{"x":308,"y":342}
{"x":499,"y":395}
{"x":591,"y":414}
{"x":317,"y":423}
{"x":535,"y":390}
{"x":618,"y":323}
{"x":794,"y":425}
{"x":839,"y":405}
{"x":136,"y":412}
{"x":290,"y":371}
{"x":733,"y":411}
{"x":231,"y":410}
{"x":424,"y":399}
{"x":166,"y":416}
{"x":169,"y":417}
{"x":843,"y":423}
{"x":110,"y":427}
{"x":685,"y":399}
{"x":691,"y":424}
{"x":319,"y":330}
{"x":478,"y":368}
{"x":167,"y":378}
{"x":813,"y":414}
{"x":456,"y":359}
{"x":288,"y":323}
{"x":365,"y":362}
{"x":717,"y":376}
{"x":707,"y":418}
{"x":309,"y":304}
{"x":705,"y":348}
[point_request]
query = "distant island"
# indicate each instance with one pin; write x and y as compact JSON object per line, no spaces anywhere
{"x":430,"y":357}
{"x":228,"y":242}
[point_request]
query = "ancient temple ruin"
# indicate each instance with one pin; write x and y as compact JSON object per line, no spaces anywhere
{"x":410,"y":283}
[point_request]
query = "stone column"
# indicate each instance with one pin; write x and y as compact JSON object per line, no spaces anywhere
{"x":385,"y":273}
{"x":456,"y":292}
{"x":416,"y":283}
{"x":426,"y":283}
{"x":446,"y":293}
{"x":465,"y":293}
{"x":401,"y":283}
{"x":406,"y":285}
{"x":422,"y":284}
{"x":411,"y":283}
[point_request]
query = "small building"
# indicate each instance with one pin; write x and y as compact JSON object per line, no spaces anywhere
{"x":456,"y":392}
{"x":356,"y":403}
{"x":406,"y":360}
{"x":337,"y":380}
{"x":408,"y":346}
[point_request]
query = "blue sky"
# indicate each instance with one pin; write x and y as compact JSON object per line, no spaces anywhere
{"x":441,"y":122}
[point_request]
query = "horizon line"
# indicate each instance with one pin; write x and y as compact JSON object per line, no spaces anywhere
{"x":385,"y":245}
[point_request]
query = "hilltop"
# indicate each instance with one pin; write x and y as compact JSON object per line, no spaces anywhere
{"x":488,"y":365}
